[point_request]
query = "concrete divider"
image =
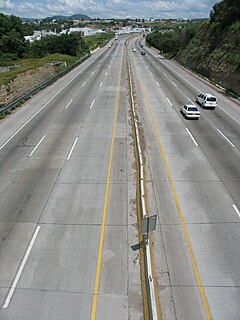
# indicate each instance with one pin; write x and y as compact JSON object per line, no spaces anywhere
{"x":149,"y":279}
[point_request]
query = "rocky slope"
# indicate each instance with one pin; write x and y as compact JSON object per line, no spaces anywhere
{"x":24,"y":82}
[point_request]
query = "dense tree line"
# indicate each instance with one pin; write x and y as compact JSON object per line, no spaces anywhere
{"x":70,"y":44}
{"x":211,"y":47}
{"x":14,"y":46}
{"x":206,"y":36}
{"x":12,"y":40}
{"x":225,"y":13}
{"x":174,"y":40}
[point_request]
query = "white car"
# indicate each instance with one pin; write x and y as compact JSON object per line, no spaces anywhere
{"x":134,"y":50}
{"x":207,"y":100}
{"x":190,"y":111}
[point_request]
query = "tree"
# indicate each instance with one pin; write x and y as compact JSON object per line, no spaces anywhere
{"x":225,"y":13}
{"x":70,"y":44}
{"x":12,"y":36}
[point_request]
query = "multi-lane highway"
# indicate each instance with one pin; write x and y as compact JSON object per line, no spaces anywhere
{"x":68,"y":215}
{"x":68,"y":199}
{"x":193,"y":182}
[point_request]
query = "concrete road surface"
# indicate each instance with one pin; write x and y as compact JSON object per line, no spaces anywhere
{"x":193,"y":183}
{"x":68,"y":213}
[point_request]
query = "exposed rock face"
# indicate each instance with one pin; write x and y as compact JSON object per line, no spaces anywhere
{"x":24,"y":83}
{"x":225,"y":75}
{"x":219,"y":72}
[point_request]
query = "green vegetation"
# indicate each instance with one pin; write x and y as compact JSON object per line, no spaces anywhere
{"x":71,"y":44}
{"x":23,"y":65}
{"x":173,"y":40}
{"x":98,"y":40}
{"x":13,"y":46}
{"x":12,"y":42}
{"x":20,"y":55}
{"x":212,"y":47}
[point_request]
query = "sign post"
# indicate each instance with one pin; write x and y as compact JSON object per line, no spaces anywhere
{"x":148,"y":225}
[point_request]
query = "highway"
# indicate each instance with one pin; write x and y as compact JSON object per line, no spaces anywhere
{"x":193,"y":184}
{"x":67,"y":199}
{"x":68,"y":207}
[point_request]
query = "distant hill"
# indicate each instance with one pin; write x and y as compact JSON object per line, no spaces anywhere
{"x":28,"y":20}
{"x":73,"y":17}
{"x":78,"y":16}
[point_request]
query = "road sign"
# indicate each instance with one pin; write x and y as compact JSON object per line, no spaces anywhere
{"x":149,"y":224}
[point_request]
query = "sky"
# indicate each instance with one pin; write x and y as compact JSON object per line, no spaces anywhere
{"x":136,"y":9}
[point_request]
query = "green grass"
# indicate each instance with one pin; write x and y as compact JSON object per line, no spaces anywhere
{"x":95,"y":41}
{"x":24,"y":65}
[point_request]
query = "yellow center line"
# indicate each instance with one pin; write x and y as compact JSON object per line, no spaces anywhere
{"x":189,"y":246}
{"x":100,"y":248}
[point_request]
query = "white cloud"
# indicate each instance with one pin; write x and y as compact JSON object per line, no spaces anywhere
{"x":5,"y":4}
{"x":110,"y":8}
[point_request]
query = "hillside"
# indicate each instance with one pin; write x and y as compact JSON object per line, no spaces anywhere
{"x":73,"y":17}
{"x":78,"y":16}
{"x":211,"y":48}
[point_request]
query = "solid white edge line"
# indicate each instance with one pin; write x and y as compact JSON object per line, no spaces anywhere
{"x":174,"y":84}
{"x":92,"y":73}
{"x":9,"y":139}
{"x":169,"y":101}
{"x":37,"y":146}
{"x":165,"y":74}
{"x":157,"y":83}
{"x":101,"y":84}
{"x":20,"y":270}
{"x":226,"y":138}
{"x":92,"y":104}
{"x":73,"y":146}
{"x":68,"y":104}
{"x":105,"y":73}
{"x":84,"y":84}
{"x":229,"y":114}
{"x":195,"y":142}
{"x":236,"y":209}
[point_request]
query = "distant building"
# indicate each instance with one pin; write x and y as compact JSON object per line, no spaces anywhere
{"x":86,"y":31}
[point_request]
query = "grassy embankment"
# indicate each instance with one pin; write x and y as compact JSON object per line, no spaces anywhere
{"x":23,"y":65}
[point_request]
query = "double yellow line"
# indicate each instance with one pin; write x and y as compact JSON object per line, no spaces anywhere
{"x":100,"y":248}
{"x":183,"y":225}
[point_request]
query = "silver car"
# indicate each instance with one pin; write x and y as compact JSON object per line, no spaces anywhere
{"x":190,"y":111}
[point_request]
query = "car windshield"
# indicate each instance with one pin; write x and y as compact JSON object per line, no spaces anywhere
{"x":192,"y":109}
{"x":211,"y":99}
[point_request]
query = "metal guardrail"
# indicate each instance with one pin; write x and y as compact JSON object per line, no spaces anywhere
{"x":149,"y":281}
{"x":42,"y":85}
